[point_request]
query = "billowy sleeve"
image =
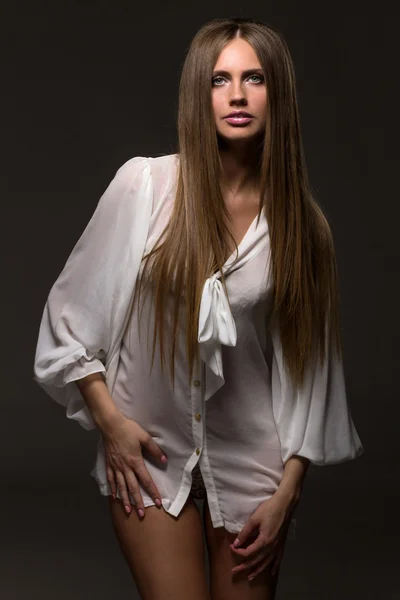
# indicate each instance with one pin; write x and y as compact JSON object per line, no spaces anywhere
{"x":315,"y":421}
{"x":85,"y":304}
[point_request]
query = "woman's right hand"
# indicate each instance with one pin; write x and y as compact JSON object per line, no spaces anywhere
{"x":124,"y":462}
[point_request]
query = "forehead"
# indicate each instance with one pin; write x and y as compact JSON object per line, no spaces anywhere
{"x":236,"y":56}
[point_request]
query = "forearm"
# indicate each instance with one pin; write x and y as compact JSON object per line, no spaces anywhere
{"x":98,"y":400}
{"x":291,"y":484}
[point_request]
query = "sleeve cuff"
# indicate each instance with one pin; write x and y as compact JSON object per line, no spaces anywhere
{"x":81,"y":368}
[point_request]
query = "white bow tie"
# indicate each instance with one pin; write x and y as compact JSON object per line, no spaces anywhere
{"x":216,"y":323}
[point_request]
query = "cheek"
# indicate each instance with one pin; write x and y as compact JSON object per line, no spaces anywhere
{"x":217,"y":104}
{"x":260,"y":100}
{"x":265,"y":101}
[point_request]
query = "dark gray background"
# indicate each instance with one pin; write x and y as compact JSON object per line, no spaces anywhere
{"x":86,"y":86}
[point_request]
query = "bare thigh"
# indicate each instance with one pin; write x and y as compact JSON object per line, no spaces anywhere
{"x":165,"y":554}
{"x":223,"y":584}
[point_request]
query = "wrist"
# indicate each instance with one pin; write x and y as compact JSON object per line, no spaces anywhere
{"x":288,"y":496}
{"x":97,"y":398}
{"x":107,"y":421}
{"x":290,"y":487}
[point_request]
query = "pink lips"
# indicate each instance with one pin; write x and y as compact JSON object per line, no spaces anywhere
{"x":238,"y":120}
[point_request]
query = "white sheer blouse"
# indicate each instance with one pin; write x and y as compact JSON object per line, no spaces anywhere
{"x":239,"y":419}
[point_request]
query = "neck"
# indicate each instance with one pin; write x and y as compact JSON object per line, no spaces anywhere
{"x":240,"y":174}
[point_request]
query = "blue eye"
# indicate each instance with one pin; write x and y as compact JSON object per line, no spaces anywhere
{"x":259,"y":77}
{"x":215,"y":78}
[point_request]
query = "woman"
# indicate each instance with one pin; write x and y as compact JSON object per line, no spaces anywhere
{"x":226,"y":239}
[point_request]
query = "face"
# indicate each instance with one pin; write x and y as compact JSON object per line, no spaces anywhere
{"x":238,"y":85}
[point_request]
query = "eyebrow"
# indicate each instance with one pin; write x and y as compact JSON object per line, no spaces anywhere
{"x":244,"y":73}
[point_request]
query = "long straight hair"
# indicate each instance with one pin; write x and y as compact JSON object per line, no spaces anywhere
{"x":302,"y":256}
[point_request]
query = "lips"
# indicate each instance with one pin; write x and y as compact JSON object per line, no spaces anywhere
{"x":239,"y":119}
{"x":238,"y":114}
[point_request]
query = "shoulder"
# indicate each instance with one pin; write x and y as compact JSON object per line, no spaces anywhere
{"x":146,"y":177}
{"x":161,"y":168}
{"x":130,"y":181}
{"x":133,"y":170}
{"x":164,"y":170}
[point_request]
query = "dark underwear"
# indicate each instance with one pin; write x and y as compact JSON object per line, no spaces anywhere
{"x":198,"y":489}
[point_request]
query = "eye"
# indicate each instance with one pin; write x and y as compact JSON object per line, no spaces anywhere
{"x":258,"y":76}
{"x":214,"y":79}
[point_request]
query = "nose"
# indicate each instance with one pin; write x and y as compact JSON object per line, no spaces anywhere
{"x":237,"y":92}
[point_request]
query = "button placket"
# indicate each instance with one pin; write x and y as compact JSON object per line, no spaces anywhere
{"x":197,"y":415}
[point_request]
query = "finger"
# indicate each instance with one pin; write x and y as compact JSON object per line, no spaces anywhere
{"x":261,"y":567}
{"x":258,"y":545}
{"x":134,"y":489}
{"x":128,"y":484}
{"x":111,"y":479}
{"x":146,"y":480}
{"x":123,"y":490}
{"x":248,"y":564}
{"x":153,"y":449}
{"x":245,"y":534}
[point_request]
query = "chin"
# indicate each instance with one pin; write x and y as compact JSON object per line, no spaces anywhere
{"x":241,"y":133}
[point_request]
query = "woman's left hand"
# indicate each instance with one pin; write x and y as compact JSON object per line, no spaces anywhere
{"x":268,"y":525}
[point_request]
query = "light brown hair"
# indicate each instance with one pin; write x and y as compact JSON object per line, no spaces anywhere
{"x":302,"y":257}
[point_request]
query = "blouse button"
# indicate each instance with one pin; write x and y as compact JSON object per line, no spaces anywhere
{"x":196,"y":382}
{"x":197,"y":416}
{"x":197,"y":451}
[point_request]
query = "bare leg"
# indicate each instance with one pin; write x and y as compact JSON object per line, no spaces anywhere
{"x":224,"y":585}
{"x":165,"y":554}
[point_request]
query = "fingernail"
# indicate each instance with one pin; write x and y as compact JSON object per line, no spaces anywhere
{"x":141,"y":513}
{"x":113,"y":495}
{"x":164,"y":459}
{"x":158,"y":502}
{"x":236,"y":543}
{"x":127,"y":508}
